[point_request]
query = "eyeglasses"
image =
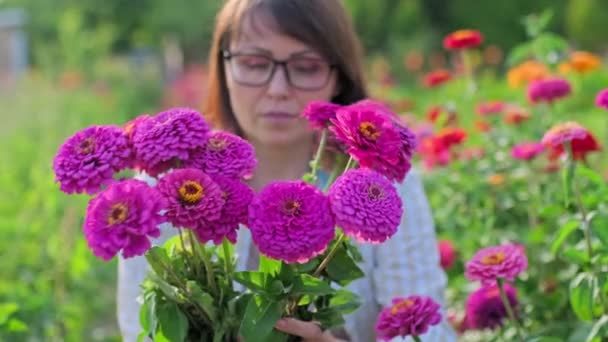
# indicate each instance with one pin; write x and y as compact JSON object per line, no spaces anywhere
{"x":255,"y":70}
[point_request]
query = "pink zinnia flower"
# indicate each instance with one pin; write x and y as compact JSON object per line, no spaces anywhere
{"x":226,"y":155}
{"x":580,"y":147}
{"x":527,"y":150}
{"x":291,"y":221}
{"x":485,"y":308}
{"x":194,"y":198}
{"x":488,"y":264}
{"x":375,"y":138}
{"x":123,"y":217}
{"x":319,"y":113}
{"x":563,"y":133}
{"x":168,"y":139}
{"x":490,"y":107}
{"x":601,"y":99}
{"x":237,"y":196}
{"x":447,"y":254}
{"x":411,"y":316}
{"x":548,"y":90}
{"x":88,"y":160}
{"x":366,"y":205}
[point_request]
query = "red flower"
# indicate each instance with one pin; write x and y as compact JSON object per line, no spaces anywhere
{"x":462,"y":39}
{"x":452,"y":136}
{"x":515,"y":117}
{"x":580,"y":147}
{"x":447,"y":254}
{"x":436,"y":78}
{"x":437,"y":114}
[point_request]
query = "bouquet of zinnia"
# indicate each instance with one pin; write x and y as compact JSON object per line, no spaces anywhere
{"x":196,"y":183}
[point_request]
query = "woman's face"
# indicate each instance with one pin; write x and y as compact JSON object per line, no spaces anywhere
{"x":267,"y":105}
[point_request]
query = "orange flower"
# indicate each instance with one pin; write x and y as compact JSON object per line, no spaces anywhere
{"x":515,"y":116}
{"x":462,"y":39}
{"x":583,"y":62}
{"x":496,"y":179}
{"x":482,"y":126}
{"x":436,"y":78}
{"x":527,"y":72}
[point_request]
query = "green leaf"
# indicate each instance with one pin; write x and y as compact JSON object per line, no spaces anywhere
{"x":545,"y":339}
{"x":6,"y":310}
{"x":167,"y":289}
{"x":563,"y":233}
{"x":592,"y":176}
{"x":576,"y":256}
{"x":260,"y":318}
{"x":14,"y":325}
{"x":328,"y":317}
{"x":255,"y":281}
{"x":343,"y":269}
{"x":308,"y":267}
{"x":600,"y":325}
{"x":306,"y":284}
{"x":344,"y":301}
{"x":203,"y":299}
{"x":268,"y":265}
{"x":581,"y":296}
{"x":158,"y":260}
{"x":287,"y":273}
{"x":173,"y":324}
{"x":599,"y":227}
{"x":147,"y":313}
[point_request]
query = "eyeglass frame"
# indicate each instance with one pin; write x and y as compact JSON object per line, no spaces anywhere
{"x":227,"y":55}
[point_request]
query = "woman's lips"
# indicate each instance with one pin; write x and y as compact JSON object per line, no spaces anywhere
{"x":279,"y":117}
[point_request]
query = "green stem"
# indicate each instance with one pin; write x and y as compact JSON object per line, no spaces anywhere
{"x":329,"y":255}
{"x":348,"y":164}
{"x":188,"y":256}
{"x":227,"y":258}
{"x":509,"y":308}
{"x":468,"y":71}
{"x":209,"y":268}
{"x":587,"y":232}
{"x":335,"y":172}
{"x":416,"y":338}
{"x":315,"y":163}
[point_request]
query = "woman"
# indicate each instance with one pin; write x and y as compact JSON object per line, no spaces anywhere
{"x":269,"y":58}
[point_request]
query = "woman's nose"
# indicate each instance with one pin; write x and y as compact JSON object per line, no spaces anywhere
{"x":279,"y":82}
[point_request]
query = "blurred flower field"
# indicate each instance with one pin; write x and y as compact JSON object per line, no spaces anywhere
{"x":468,"y":117}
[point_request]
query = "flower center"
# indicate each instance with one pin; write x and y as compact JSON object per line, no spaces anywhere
{"x":87,"y":145}
{"x":369,"y":130}
{"x":402,"y":305}
{"x":493,"y":259}
{"x":217,"y":144}
{"x":191,"y":192}
{"x":374,"y":192}
{"x":291,"y":207}
{"x":462,"y":34}
{"x":118,"y":213}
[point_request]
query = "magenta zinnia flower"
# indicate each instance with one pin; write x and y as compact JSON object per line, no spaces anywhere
{"x":485,"y":308}
{"x":291,"y":221}
{"x":194,"y":198}
{"x":411,"y":316}
{"x":366,"y":205}
{"x":88,"y":160}
{"x":374,"y":138}
{"x":601,"y":99}
{"x":527,"y":150}
{"x":237,"y":196}
{"x":548,"y":90}
{"x":319,"y":113}
{"x":123,"y":217}
{"x":226,"y":155}
{"x":488,"y":264}
{"x":447,"y":254}
{"x":562,"y":133}
{"x":167,"y":139}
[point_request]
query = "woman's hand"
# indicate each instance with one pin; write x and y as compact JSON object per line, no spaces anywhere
{"x":309,"y":331}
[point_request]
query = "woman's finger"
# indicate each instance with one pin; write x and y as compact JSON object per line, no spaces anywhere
{"x":299,"y":328}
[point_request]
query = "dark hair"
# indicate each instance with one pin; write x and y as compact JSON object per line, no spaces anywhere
{"x":322,"y":24}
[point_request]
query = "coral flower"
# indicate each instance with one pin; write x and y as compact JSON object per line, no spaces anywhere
{"x":436,"y":78}
{"x":462,"y":39}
